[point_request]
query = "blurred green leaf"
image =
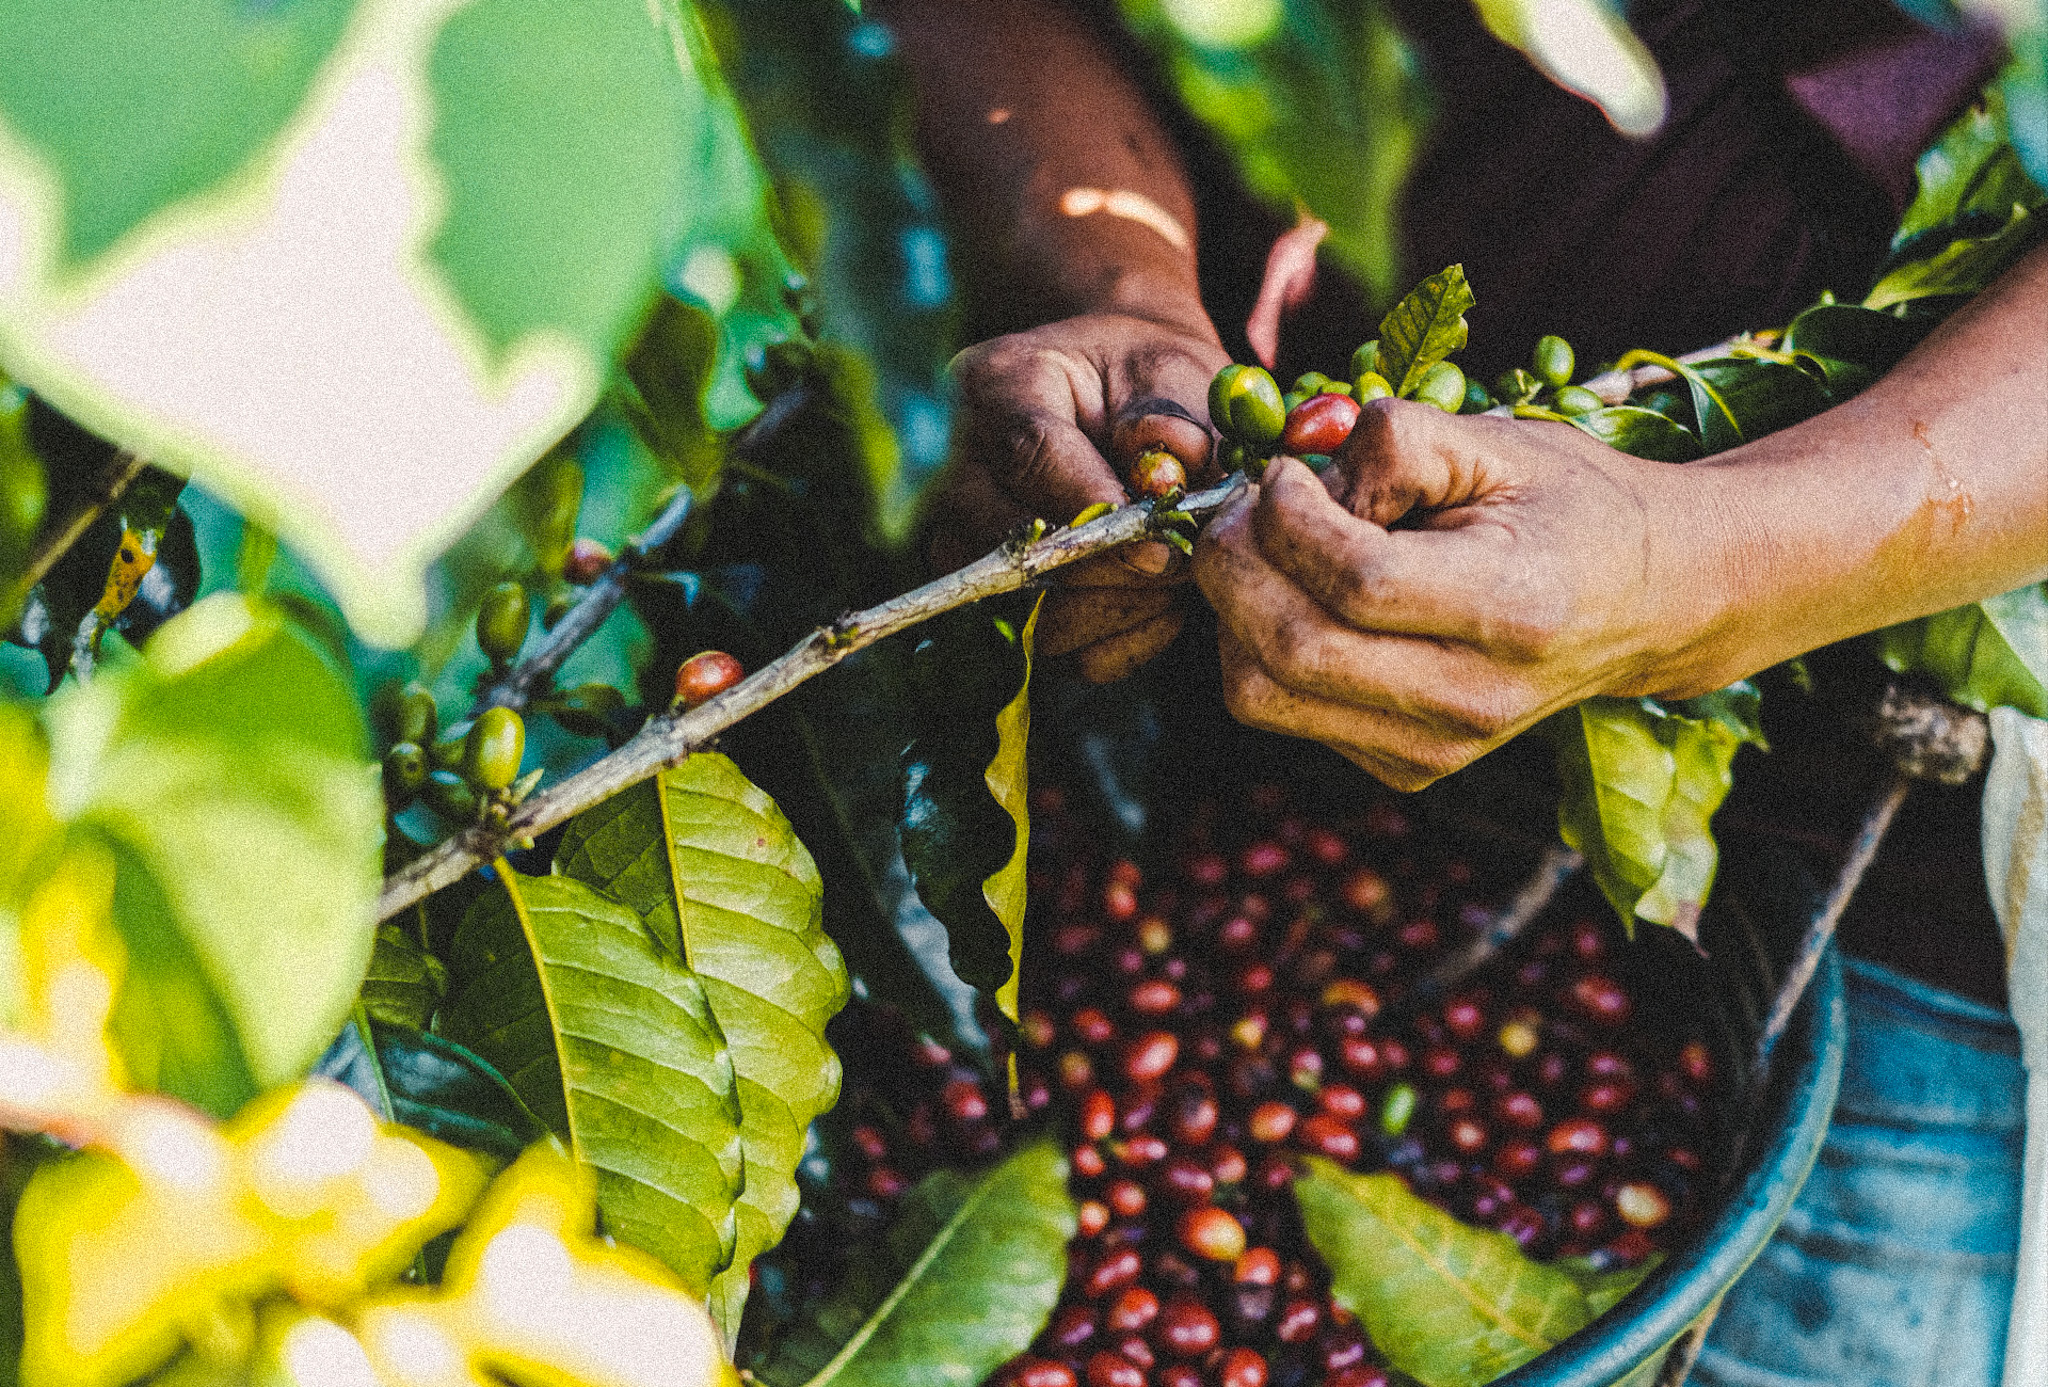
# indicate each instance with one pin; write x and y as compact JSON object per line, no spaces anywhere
{"x":608,"y":1038}
{"x":433,"y":1085}
{"x":1318,"y":104}
{"x":1423,"y":328}
{"x":24,"y":489}
{"x":1448,"y":1304}
{"x":1641,"y":784}
{"x":1987,"y":655}
{"x":714,"y":872}
{"x":1972,"y":169}
{"x":1586,"y":47}
{"x":1965,"y":265}
{"x":230,"y":770}
{"x":404,"y":983}
{"x":964,"y":1281}
{"x":965,"y":827}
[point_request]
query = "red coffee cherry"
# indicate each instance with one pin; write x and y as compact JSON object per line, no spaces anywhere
{"x":1158,"y":474}
{"x":1577,"y":1136}
{"x":1270,"y":1122}
{"x":1212,"y":1234}
{"x":1227,"y":1165}
{"x":1519,"y":1109}
{"x":1093,"y":1027}
{"x":1242,"y":1367}
{"x":1464,"y":1018}
{"x":1326,"y":1136}
{"x":1127,"y":1198}
{"x":1601,"y":998}
{"x":1092,"y":1216}
{"x":1088,"y":1162}
{"x":1108,"y":1369}
{"x":1098,"y":1116}
{"x":1185,"y":1180}
{"x":1358,"y":1375}
{"x":1131,"y":1311}
{"x":1178,"y":1375}
{"x":1342,"y":1102}
{"x":1192,"y":1118}
{"x":1189,"y":1328}
{"x":964,"y":1100}
{"x":1117,"y":1269}
{"x":1151,"y":1055}
{"x":1259,"y":1266}
{"x":1319,"y":424}
{"x":1154,"y":997}
{"x":586,"y":561}
{"x":1517,"y":1160}
{"x":1134,"y":1348}
{"x":1298,"y":1322}
{"x":705,"y":675}
{"x":1696,"y":1061}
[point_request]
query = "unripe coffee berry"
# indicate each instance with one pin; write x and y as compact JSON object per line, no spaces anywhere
{"x":1396,"y":1109}
{"x":1553,"y":360}
{"x":586,"y":561}
{"x":1158,"y":474}
{"x":1372,"y":386}
{"x":501,"y":622}
{"x":1642,"y":1205}
{"x":405,"y":770}
{"x":495,"y":747}
{"x":1517,"y":387}
{"x":408,"y":714}
{"x":1477,"y":398}
{"x":1366,"y":360}
{"x":1212,"y":1234}
{"x":706,"y":675}
{"x":1576,"y":400}
{"x":1443,"y":386}
{"x":1245,"y":406}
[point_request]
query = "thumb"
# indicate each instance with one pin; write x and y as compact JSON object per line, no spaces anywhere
{"x":1398,"y":460}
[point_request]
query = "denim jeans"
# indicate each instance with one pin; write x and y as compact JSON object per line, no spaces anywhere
{"x":1895,"y":1267}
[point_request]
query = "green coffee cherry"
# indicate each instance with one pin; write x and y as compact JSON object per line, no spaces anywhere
{"x":447,"y":795}
{"x":1553,"y":361}
{"x":501,"y":622}
{"x":406,"y":713}
{"x":1293,"y":398}
{"x":1517,"y":387}
{"x":1477,"y":401}
{"x":1310,"y":382}
{"x":497,"y":744}
{"x":1373,"y":386}
{"x":405,"y":770}
{"x":1366,"y":361}
{"x":1235,"y":457}
{"x":447,"y":753}
{"x":1443,"y":385}
{"x":1576,"y":400}
{"x":1245,"y":406}
{"x":1397,"y":1109}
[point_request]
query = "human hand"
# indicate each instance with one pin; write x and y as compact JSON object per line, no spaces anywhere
{"x":1449,"y":581}
{"x":1048,"y":420}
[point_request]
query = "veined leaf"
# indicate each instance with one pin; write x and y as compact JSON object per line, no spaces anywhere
{"x":965,"y":825}
{"x":1424,"y":328}
{"x":714,"y":872}
{"x":1641,"y":785}
{"x":1973,"y":168}
{"x":963,"y":1282}
{"x":229,"y":770}
{"x":1963,"y":266}
{"x":1874,"y":341}
{"x":404,"y":982}
{"x":1642,"y":433}
{"x":432,"y":1085}
{"x":1450,"y":1305}
{"x":1764,"y":396}
{"x":1987,"y":655}
{"x":608,"y":1038}
{"x":1713,"y":420}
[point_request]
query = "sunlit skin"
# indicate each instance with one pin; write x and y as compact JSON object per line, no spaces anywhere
{"x":1531,"y":567}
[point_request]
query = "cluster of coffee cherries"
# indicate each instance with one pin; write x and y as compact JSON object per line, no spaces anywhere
{"x":1196,"y":1034}
{"x":473,"y":771}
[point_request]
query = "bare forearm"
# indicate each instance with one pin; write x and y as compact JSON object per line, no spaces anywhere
{"x":1070,"y":196}
{"x":1928,"y":491}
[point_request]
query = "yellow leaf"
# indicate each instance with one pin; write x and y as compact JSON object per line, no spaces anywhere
{"x":530,"y":1294}
{"x":172,"y":1230}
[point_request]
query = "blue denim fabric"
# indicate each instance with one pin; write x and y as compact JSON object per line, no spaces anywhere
{"x":1895,"y":1267}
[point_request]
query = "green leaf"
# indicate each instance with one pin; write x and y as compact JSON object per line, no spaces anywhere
{"x":713,"y":870}
{"x":1963,"y":266}
{"x":230,"y":769}
{"x":964,"y":1281}
{"x":1642,"y":433}
{"x":1009,"y":782}
{"x":404,"y":982}
{"x":1316,"y":104}
{"x":965,"y":826}
{"x":1876,"y":341}
{"x":1641,"y":784}
{"x":435,"y":1086}
{"x":488,"y":193}
{"x":24,"y":490}
{"x":140,"y":106}
{"x":1424,"y":328}
{"x":1713,"y":421}
{"x":1586,"y":47}
{"x":1764,"y":396}
{"x":1450,"y":1305}
{"x":608,"y":1038}
{"x":1972,"y":168}
{"x":1987,"y":655}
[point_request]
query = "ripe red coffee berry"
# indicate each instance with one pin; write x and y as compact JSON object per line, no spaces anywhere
{"x":1192,"y":1118}
{"x":706,"y":675}
{"x":1157,"y":474}
{"x":1178,"y":1375}
{"x":1106,"y":1369}
{"x":1093,"y":1026}
{"x":1467,"y":1136}
{"x":1342,"y":1101}
{"x":1098,"y":1116}
{"x":1577,"y":1136}
{"x":1088,"y":1162}
{"x":1092,"y":1216}
{"x":1355,"y":993}
{"x":1184,"y":1180}
{"x":1319,"y":424}
{"x":1358,"y":1375}
{"x":1118,"y":1268}
{"x":1242,"y":1367}
{"x":1326,"y":1136}
{"x":586,"y":561}
{"x":1189,"y":1328}
{"x":1140,"y":1151}
{"x":1270,"y":1122}
{"x":1127,"y":1198}
{"x":1696,"y":1061}
{"x":1132,"y":1310}
{"x":1519,"y":1109}
{"x":1044,"y":1372}
{"x":1151,"y":1055}
{"x":1227,"y":1165}
{"x":1212,"y":1234}
{"x":1601,"y":998}
{"x":1154,"y":997}
{"x":1260,"y":1266}
{"x":964,"y":1100}
{"x":1119,"y":901}
{"x":1464,"y":1017}
{"x":1298,"y":1322}
{"x":1517,"y":1160}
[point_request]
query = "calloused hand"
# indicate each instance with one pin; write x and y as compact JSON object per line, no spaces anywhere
{"x":1449,"y":581}
{"x":1048,"y":419}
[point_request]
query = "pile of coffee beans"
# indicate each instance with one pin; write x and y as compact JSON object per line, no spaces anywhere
{"x":1194,"y":1031}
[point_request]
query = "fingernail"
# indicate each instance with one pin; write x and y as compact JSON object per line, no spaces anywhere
{"x":1150,"y":559}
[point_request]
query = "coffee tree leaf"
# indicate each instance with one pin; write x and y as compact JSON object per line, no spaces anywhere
{"x":404,"y":982}
{"x":1972,"y":169}
{"x":24,"y":491}
{"x":714,"y":871}
{"x":1585,"y":47}
{"x":1641,"y":784}
{"x":1987,"y":655}
{"x":1873,"y":340}
{"x":1424,"y":328}
{"x":1448,"y":1304}
{"x":1963,"y":266}
{"x":432,"y":1085}
{"x":963,"y":1282}
{"x":1639,"y":432}
{"x":607,"y":1037}
{"x":1764,"y":396}
{"x":229,"y":771}
{"x":487,"y":192}
{"x":965,"y":825}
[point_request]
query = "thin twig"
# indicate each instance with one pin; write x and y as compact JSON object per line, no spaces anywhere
{"x":535,"y":674}
{"x":669,"y":738}
{"x":57,"y":543}
{"x":1558,"y":864}
{"x":1821,"y":928}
